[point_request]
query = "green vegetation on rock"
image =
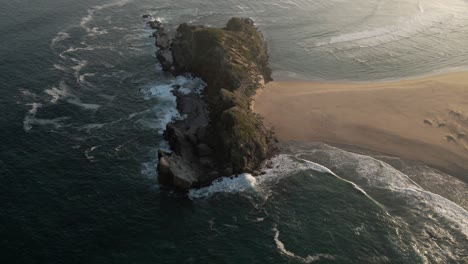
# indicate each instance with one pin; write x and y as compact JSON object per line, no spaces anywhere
{"x":234,"y":63}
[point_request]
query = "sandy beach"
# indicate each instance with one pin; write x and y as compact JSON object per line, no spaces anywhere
{"x":423,"y":119}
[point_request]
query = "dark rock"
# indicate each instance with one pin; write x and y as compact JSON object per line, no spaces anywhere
{"x":175,"y":137}
{"x":207,"y":162}
{"x":163,"y":166}
{"x":165,"y":176}
{"x":203,"y":150}
{"x":163,"y":41}
{"x":202,"y":133}
{"x":238,"y":134}
{"x":234,"y":64}
{"x":146,"y":16}
{"x":207,"y":178}
{"x":240,"y":24}
{"x":228,"y":171}
{"x":182,"y":174}
{"x":155,"y":24}
{"x":192,"y":138}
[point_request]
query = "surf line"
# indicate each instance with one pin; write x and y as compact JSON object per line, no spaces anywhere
{"x":320,"y":168}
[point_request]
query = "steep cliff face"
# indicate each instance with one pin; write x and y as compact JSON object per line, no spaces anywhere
{"x":233,"y":61}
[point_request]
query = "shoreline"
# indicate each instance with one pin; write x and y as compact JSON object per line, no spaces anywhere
{"x":423,"y":119}
{"x":447,"y":71}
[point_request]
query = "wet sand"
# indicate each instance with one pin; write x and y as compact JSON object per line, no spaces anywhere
{"x":423,"y":119}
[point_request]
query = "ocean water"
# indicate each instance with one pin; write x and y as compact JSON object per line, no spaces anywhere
{"x":83,"y":106}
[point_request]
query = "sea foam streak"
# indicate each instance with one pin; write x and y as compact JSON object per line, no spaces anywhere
{"x":309,"y":259}
{"x":91,"y":12}
{"x":59,"y":37}
{"x":30,"y":119}
{"x":58,"y":93}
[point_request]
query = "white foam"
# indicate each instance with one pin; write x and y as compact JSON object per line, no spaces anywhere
{"x":63,"y":92}
{"x":150,"y":18}
{"x":95,"y":31}
{"x":78,"y":67}
{"x":165,"y":111}
{"x":27,"y":93}
{"x":34,"y":107}
{"x":88,"y":154}
{"x":30,"y":115}
{"x":73,"y":49}
{"x":323,"y":169}
{"x":77,"y":101}
{"x":184,"y":90}
{"x":30,"y":118}
{"x":56,"y":122}
{"x":91,"y":12}
{"x":90,"y":127}
{"x":308,"y":259}
{"x":58,"y":93}
{"x":82,"y":77}
{"x":85,"y":48}
{"x":59,"y":67}
{"x":234,"y":184}
{"x":189,"y":84}
{"x":59,"y":37}
{"x":149,"y":169}
{"x":286,"y":165}
{"x":107,"y":97}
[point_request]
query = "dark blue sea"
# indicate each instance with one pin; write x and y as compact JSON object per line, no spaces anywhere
{"x":84,"y":104}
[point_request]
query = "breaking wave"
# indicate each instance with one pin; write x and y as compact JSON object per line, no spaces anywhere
{"x":233,"y":184}
{"x":404,"y":201}
{"x":166,"y":109}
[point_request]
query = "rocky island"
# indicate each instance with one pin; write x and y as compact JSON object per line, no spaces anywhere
{"x":220,"y":135}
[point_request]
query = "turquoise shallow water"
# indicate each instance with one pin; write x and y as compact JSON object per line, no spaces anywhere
{"x":83,"y":109}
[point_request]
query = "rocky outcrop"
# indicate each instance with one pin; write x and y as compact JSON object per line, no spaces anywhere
{"x":220,"y":135}
{"x":163,"y":42}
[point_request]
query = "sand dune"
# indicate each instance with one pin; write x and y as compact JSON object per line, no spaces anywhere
{"x":423,"y":119}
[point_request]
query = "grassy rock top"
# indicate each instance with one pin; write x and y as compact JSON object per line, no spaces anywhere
{"x":229,"y":58}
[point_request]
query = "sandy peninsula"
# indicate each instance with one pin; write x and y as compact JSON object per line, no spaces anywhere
{"x":423,"y":119}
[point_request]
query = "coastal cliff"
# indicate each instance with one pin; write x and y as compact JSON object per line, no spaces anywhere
{"x":220,"y":135}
